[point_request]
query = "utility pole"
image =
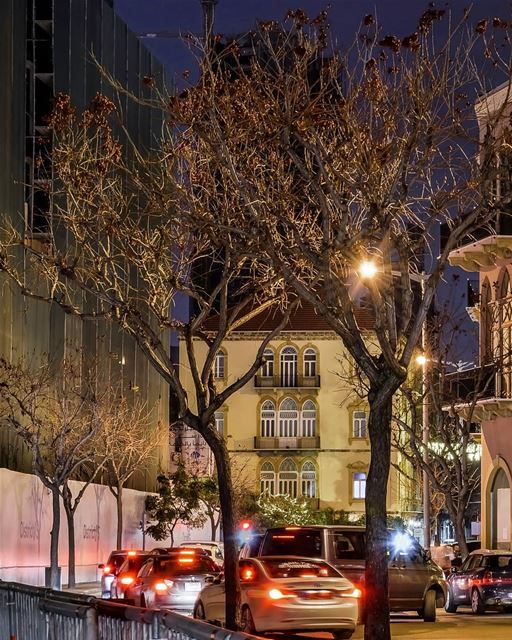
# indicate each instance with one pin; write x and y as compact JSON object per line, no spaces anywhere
{"x":208,"y":19}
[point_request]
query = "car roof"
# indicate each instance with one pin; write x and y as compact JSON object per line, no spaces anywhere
{"x":491,"y":552}
{"x":320,"y":527}
{"x":208,"y":543}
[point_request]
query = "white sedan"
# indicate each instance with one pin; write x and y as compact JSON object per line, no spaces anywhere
{"x":287,"y":593}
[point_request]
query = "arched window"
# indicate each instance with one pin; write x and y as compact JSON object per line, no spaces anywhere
{"x":288,"y":478}
{"x":504,"y":337}
{"x":308,"y":480}
{"x":288,"y":363}
{"x":486,"y":342}
{"x":268,"y":419}
{"x":267,"y":478}
{"x":219,"y":366}
{"x":309,"y":419}
{"x":267,"y":370}
{"x":309,"y":363}
{"x":288,"y":419}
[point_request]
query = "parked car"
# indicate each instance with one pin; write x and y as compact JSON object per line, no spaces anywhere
{"x":127,"y":573}
{"x":484,"y":580}
{"x":282,"y":593}
{"x":215,"y":549}
{"x":415,"y":582}
{"x":110,"y":568}
{"x":172,"y":581}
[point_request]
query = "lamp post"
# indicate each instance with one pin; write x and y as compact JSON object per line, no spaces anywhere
{"x":367,"y":270}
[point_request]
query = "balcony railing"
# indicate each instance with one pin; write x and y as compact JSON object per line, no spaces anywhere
{"x":299,"y":443}
{"x":287,"y":382}
{"x":480,"y":383}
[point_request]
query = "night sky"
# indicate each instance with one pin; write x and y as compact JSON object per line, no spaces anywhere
{"x":235,"y":17}
{"x":239,"y":16}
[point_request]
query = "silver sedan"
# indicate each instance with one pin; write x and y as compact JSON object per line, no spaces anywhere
{"x":287,"y":593}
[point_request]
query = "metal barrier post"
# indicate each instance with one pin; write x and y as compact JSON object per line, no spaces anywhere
{"x":91,"y":625}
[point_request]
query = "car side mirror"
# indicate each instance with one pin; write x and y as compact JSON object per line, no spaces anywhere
{"x":209,"y":579}
{"x":218,"y":579}
{"x":101,"y":566}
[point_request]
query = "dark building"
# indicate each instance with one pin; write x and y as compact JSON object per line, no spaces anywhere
{"x":47,"y":47}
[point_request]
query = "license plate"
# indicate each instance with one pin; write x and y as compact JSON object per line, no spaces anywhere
{"x":317,"y":595}
{"x":192,"y":586}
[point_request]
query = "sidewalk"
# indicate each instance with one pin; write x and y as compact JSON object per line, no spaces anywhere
{"x":86,"y":588}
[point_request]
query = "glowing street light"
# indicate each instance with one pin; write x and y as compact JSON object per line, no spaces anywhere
{"x":367,"y":269}
{"x":421,"y":359}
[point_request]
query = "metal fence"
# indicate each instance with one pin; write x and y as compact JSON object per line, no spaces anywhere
{"x":35,"y":613}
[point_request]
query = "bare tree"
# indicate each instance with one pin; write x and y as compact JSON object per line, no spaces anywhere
{"x":127,"y":441}
{"x":334,"y":160}
{"x":277,"y":178}
{"x":450,"y":460}
{"x":123,"y":236}
{"x":54,"y":412}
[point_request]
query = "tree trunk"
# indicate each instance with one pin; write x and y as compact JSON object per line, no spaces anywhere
{"x":54,"y":540}
{"x":227,"y":504}
{"x":70,"y":518}
{"x":460,"y":532}
{"x":376,"y":574}
{"x":213,"y":526}
{"x":119,"y":504}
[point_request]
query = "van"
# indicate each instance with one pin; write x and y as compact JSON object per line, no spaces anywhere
{"x":415,"y":582}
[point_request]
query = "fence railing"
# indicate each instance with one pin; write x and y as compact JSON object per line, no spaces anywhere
{"x":35,"y":613}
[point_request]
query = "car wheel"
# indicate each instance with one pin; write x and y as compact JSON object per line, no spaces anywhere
{"x":450,"y":606}
{"x":199,"y":613}
{"x":247,"y":621}
{"x":477,"y":606}
{"x":342,"y":635}
{"x":429,"y":606}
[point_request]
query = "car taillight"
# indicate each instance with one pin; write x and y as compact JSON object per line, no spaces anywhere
{"x":132,"y":553}
{"x":279,"y":594}
{"x":163,"y":585}
{"x":107,"y":569}
{"x":487,"y":578}
{"x":127,"y":580}
{"x":352,"y":593}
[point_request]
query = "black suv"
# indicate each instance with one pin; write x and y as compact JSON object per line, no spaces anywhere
{"x":415,"y":582}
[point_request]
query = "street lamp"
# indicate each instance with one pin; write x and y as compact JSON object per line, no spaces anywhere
{"x":368,"y":270}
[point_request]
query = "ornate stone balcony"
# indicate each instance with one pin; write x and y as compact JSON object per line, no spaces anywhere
{"x":287,"y":444}
{"x":286,"y":382}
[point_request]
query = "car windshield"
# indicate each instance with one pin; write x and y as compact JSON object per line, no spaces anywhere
{"x":184,"y":566}
{"x":299,"y":542}
{"x":299,"y":569}
{"x":499,"y":562}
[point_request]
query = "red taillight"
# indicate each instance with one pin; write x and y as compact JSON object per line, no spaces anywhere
{"x":163,"y":585}
{"x":127,"y":580}
{"x":248,"y":574}
{"x":132,"y":553}
{"x":187,"y":552}
{"x":352,"y":593}
{"x":279,"y":594}
{"x":487,"y":578}
{"x":186,"y":560}
{"x":107,"y":569}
